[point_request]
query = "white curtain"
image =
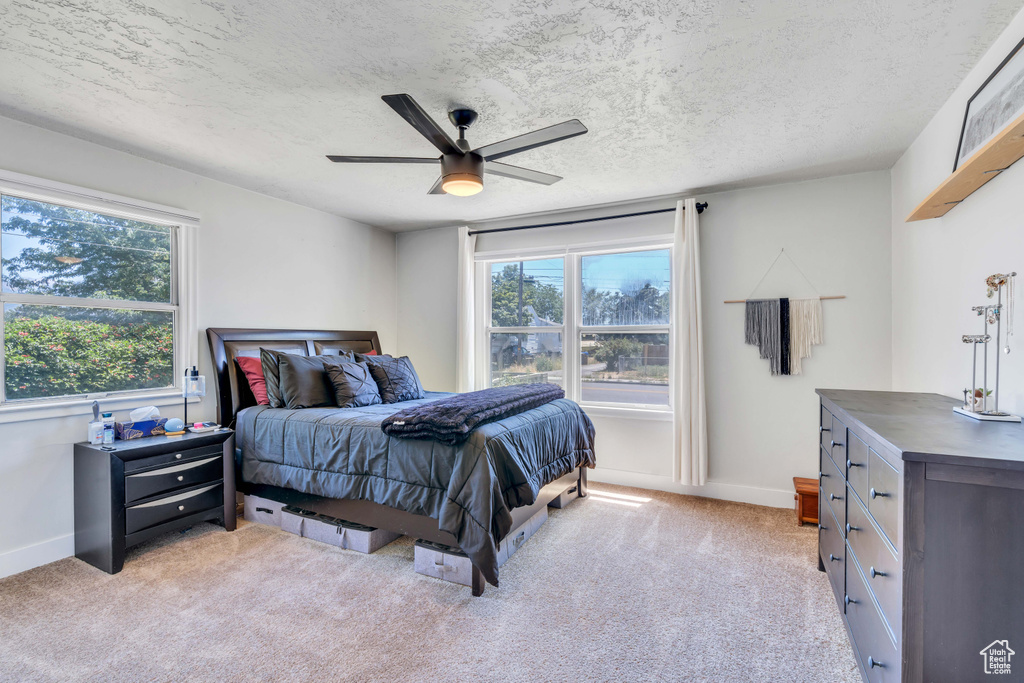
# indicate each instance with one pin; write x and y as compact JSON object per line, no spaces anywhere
{"x":465,"y":379}
{"x":690,"y":423}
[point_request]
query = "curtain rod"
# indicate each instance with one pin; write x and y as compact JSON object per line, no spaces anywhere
{"x":700,"y":209}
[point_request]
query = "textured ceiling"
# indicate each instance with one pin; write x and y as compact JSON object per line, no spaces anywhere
{"x":677,"y":94}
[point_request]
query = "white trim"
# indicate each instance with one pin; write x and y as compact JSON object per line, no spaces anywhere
{"x":31,"y":556}
{"x":712,"y":489}
{"x":650,"y":243}
{"x":40,"y":189}
{"x":624,"y":411}
{"x":44,"y":409}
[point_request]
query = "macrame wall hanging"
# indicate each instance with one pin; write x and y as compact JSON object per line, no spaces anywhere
{"x":784,"y":330}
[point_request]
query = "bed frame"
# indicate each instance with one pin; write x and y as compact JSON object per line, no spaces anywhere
{"x":233,"y":394}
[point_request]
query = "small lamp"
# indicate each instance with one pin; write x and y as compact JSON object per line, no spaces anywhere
{"x":193,"y":387}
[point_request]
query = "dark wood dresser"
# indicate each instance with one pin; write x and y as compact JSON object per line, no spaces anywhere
{"x":921,"y":534}
{"x":146,"y":487}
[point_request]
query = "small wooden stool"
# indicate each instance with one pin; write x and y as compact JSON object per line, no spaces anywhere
{"x":806,"y":500}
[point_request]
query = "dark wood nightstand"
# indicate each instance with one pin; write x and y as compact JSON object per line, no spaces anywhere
{"x":147,"y":487}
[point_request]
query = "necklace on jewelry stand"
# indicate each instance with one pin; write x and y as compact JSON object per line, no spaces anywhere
{"x":994,"y":282}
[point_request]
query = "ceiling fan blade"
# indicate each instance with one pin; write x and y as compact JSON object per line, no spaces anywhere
{"x":381,"y":160}
{"x":504,"y":170}
{"x":532,"y":140}
{"x":412,"y":112}
{"x":436,"y":189}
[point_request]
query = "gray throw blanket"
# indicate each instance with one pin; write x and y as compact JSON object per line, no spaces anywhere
{"x":450,"y":420}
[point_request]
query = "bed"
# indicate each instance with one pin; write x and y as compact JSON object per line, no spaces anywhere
{"x":338,"y":462}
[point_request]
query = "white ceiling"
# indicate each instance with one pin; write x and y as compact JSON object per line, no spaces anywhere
{"x":677,"y":94}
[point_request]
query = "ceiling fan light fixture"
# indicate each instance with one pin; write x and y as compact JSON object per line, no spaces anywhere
{"x":462,"y":184}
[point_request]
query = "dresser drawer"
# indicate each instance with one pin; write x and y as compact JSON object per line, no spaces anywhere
{"x":833,"y":488}
{"x":183,"y":475}
{"x":162,"y":510}
{"x":837,"y":444}
{"x":878,"y":654}
{"x":881,"y":568}
{"x":172,"y":457}
{"x":857,"y":465}
{"x":825,"y":428}
{"x":832,"y":551}
{"x":884,"y":495}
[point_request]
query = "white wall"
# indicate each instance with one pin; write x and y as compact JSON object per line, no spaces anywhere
{"x":762,"y":429}
{"x":263,"y":262}
{"x":940,"y":265}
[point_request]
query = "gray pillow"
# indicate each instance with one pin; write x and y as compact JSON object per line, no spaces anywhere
{"x":353,"y":385}
{"x":371,"y":357}
{"x":304,"y":384}
{"x":397,"y":379}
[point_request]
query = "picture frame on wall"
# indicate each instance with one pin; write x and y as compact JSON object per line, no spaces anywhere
{"x":996,"y":104}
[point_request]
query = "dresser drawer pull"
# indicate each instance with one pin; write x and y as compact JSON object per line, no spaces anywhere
{"x":833,"y":558}
{"x":821,"y":474}
{"x":876,"y":494}
{"x":850,"y":463}
{"x":833,"y":496}
{"x":822,"y":527}
{"x":181,"y":477}
{"x":873,"y":572}
{"x":823,"y":429}
{"x":848,"y":600}
{"x":177,"y":456}
{"x":872,"y":663}
{"x":850,"y":527}
{"x":835,"y":443}
{"x":181,"y":507}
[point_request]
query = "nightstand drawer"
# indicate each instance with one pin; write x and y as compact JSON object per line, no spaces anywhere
{"x":172,"y":458}
{"x":153,"y":482}
{"x":162,"y":510}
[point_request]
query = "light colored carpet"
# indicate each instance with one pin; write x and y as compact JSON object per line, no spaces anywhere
{"x":628,"y":585}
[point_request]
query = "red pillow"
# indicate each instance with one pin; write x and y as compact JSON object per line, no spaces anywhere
{"x":371,"y":352}
{"x":253,"y":369}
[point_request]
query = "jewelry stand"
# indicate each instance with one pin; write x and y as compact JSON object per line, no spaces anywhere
{"x":992,"y":315}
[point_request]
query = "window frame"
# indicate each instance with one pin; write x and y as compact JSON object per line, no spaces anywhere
{"x":183,"y":227}
{"x":572,"y":327}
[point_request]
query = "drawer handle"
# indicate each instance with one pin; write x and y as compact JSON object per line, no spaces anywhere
{"x":822,"y":527}
{"x":822,"y":474}
{"x":177,"y":456}
{"x":181,"y":477}
{"x":833,"y":558}
{"x":823,"y":429}
{"x":850,"y":463}
{"x":267,"y":510}
{"x":850,"y":527}
{"x":835,"y":443}
{"x":848,"y":600}
{"x":875,"y":573}
{"x":876,"y":494}
{"x":833,"y":496}
{"x":180,"y":508}
{"x":872,"y":663}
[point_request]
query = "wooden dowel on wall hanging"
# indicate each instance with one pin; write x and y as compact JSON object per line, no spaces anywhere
{"x":743,"y":301}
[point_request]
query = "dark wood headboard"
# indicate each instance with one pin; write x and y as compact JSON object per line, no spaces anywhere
{"x":226,"y":344}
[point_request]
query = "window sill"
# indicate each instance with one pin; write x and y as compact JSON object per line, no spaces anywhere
{"x":83,"y":406}
{"x":627,"y":412}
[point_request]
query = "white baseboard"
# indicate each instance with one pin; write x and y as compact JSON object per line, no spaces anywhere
{"x":31,"y":556}
{"x":734,"y":492}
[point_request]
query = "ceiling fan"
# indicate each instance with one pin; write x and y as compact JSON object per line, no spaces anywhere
{"x":463,"y":168}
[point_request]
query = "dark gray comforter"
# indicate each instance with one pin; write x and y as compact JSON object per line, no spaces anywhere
{"x":469,"y":488}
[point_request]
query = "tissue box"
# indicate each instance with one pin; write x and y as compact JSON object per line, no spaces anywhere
{"x":137,"y":430}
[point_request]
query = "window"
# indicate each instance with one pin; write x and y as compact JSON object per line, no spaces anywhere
{"x":609,"y":312}
{"x":525,"y":297}
{"x":624,"y":331}
{"x":90,"y":302}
